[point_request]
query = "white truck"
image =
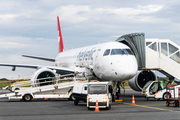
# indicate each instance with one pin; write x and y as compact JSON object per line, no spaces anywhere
{"x":92,"y":91}
{"x":80,"y":92}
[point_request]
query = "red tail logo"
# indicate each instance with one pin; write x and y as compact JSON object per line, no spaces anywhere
{"x":60,"y":40}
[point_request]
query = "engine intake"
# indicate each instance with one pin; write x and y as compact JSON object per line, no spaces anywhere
{"x":42,"y":77}
{"x":141,"y":78}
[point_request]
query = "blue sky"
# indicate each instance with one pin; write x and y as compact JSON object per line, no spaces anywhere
{"x":30,"y":26}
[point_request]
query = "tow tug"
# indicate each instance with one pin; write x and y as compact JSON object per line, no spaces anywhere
{"x":101,"y":92}
{"x":155,"y":89}
{"x":93,"y":91}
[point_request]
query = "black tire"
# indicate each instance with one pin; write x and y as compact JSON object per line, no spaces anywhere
{"x":108,"y":108}
{"x":175,"y":104}
{"x":16,"y":89}
{"x":27,"y":97}
{"x":72,"y":98}
{"x":166,"y":95}
{"x":76,"y":102}
{"x":167,"y":103}
{"x":113,"y":98}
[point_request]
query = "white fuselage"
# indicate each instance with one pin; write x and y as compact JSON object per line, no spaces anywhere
{"x":116,"y":64}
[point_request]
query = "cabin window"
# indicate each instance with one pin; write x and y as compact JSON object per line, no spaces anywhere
{"x":106,"y":52}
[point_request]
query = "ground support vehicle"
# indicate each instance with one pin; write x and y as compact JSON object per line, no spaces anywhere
{"x":59,"y":89}
{"x":99,"y":91}
{"x":155,"y":89}
{"x":80,"y":92}
{"x":175,"y":90}
{"x":50,"y":91}
{"x":167,"y":92}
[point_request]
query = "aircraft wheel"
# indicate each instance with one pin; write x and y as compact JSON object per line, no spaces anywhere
{"x":113,"y":98}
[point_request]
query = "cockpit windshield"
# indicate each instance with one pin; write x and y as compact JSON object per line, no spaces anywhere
{"x":118,"y":52}
{"x":121,"y":52}
{"x":127,"y":51}
{"x":106,"y":52}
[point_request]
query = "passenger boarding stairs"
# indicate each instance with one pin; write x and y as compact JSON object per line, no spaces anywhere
{"x":163,"y":55}
{"x":154,"y":54}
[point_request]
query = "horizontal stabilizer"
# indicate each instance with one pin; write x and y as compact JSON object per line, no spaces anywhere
{"x":40,"y":58}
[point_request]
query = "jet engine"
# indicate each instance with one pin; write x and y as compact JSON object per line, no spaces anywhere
{"x":43,"y":76}
{"x":141,"y":78}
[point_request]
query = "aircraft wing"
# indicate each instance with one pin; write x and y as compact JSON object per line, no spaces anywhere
{"x":19,"y":65}
{"x":60,"y":70}
{"x":40,"y":58}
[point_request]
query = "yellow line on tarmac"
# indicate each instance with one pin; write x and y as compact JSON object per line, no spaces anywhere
{"x":151,"y":107}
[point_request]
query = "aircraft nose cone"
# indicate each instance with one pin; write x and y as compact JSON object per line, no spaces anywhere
{"x":127,"y":69}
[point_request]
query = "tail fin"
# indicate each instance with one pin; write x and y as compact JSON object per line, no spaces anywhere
{"x":60,"y":40}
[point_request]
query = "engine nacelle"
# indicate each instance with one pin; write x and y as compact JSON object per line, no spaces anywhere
{"x":141,"y":78}
{"x":42,"y":77}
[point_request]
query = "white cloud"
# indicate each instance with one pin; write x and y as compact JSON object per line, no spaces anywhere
{"x":10,"y":45}
{"x":14,"y":42}
{"x":70,"y":13}
{"x":74,"y":13}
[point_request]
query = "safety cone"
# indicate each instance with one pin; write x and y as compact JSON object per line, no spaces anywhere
{"x":133,"y":101}
{"x":97,"y":107}
{"x":45,"y":98}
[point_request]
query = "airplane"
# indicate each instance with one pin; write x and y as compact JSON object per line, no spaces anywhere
{"x":110,"y":61}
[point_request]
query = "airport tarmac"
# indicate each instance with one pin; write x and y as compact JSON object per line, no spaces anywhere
{"x":63,"y":109}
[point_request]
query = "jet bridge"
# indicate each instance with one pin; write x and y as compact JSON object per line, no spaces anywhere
{"x":136,"y":41}
{"x":154,"y":54}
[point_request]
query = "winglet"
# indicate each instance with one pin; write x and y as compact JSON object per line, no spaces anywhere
{"x":60,"y":40}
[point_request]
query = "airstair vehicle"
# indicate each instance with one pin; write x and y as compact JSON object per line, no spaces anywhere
{"x":162,"y":55}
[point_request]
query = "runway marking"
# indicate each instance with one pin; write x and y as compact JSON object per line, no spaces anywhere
{"x":151,"y":107}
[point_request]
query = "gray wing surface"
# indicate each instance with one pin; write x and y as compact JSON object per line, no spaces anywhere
{"x":60,"y":70}
{"x":40,"y":58}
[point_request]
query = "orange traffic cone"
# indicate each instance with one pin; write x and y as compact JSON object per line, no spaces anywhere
{"x":97,"y":107}
{"x":133,"y":101}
